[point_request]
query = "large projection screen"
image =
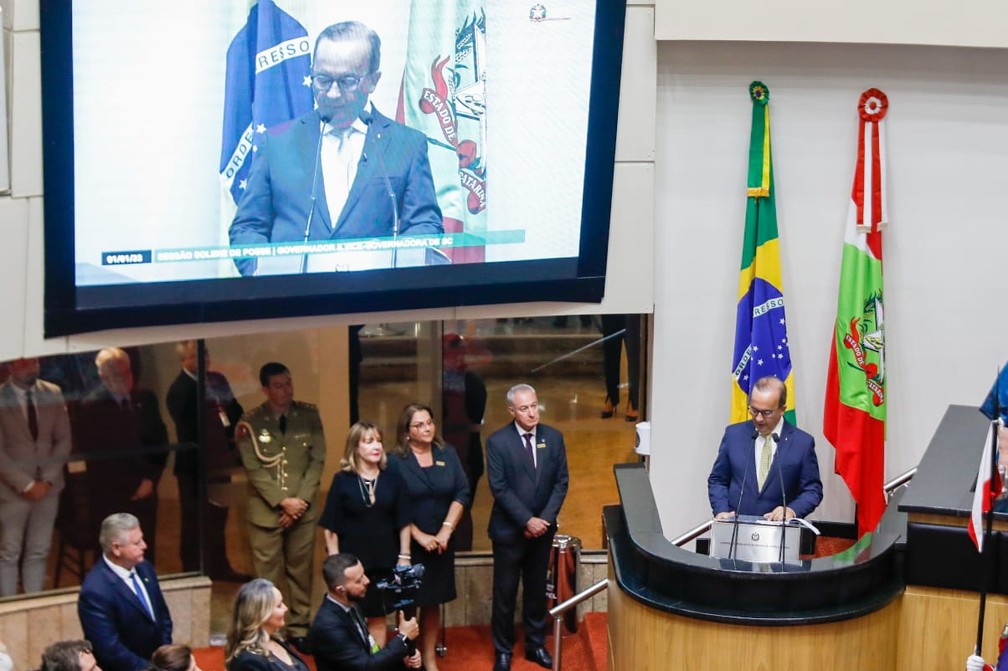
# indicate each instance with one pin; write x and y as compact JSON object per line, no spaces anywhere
{"x":210,"y":165}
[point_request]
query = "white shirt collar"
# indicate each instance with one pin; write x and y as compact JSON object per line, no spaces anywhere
{"x":522,"y":432}
{"x":123,"y":573}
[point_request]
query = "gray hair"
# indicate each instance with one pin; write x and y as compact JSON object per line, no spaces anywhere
{"x":114,"y":528}
{"x":516,"y":389}
{"x":108,"y":355}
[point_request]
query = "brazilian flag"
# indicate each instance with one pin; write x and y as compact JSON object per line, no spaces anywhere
{"x":761,"y":341}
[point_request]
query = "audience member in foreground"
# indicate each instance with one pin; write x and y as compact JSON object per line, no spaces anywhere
{"x":253,"y":641}
{"x":174,"y":657}
{"x":69,"y":656}
{"x":120,"y":606}
{"x":339,"y":636}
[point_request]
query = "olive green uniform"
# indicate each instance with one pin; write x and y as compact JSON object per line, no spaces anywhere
{"x":282,"y":465}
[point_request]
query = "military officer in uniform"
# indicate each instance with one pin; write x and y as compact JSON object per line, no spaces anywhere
{"x":282,"y":448}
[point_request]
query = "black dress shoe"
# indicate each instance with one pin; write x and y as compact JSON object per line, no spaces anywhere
{"x":540,"y":657}
{"x":502,"y":662}
{"x":300,"y":643}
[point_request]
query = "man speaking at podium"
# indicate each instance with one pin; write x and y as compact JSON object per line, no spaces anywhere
{"x":327,"y":175}
{"x":765,"y":467}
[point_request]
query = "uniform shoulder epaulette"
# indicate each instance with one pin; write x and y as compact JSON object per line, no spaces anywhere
{"x":257,"y":411}
{"x":305,"y":406}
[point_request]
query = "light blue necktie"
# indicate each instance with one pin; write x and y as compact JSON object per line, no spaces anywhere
{"x":141,"y":595}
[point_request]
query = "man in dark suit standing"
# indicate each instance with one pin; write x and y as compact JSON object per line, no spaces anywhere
{"x":119,"y":430}
{"x":334,"y":167}
{"x":221,"y":412}
{"x":527,"y":472}
{"x":120,"y":606}
{"x":34,"y":443}
{"x":756,"y":459}
{"x":339,"y":638}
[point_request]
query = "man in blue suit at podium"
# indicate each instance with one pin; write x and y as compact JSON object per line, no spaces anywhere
{"x":767,"y":466}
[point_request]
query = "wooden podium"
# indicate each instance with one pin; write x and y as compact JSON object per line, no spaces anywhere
{"x":903,"y":597}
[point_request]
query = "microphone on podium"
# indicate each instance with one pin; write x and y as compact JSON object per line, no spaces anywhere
{"x":733,"y":544}
{"x":780,"y":474}
{"x":314,"y":189}
{"x":368,"y":118}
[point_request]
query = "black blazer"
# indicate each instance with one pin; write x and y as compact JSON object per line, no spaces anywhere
{"x":337,"y":645}
{"x":521,"y":492}
{"x":250,"y":661}
{"x":119,"y":627}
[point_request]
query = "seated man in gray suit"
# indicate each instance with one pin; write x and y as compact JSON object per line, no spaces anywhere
{"x":34,"y":442}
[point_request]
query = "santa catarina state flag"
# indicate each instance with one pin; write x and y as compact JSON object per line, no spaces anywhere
{"x":854,"y":415}
{"x":761,"y":340}
{"x":443,"y":95}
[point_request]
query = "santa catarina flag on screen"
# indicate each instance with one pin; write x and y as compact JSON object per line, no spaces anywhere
{"x":443,"y":96}
{"x":761,"y":341}
{"x":854,"y":415}
{"x":267,"y":82}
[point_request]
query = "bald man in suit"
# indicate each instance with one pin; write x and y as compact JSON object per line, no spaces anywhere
{"x":527,"y":472}
{"x":34,"y":444}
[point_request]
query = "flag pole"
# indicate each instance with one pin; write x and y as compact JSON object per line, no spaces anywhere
{"x":985,"y":555}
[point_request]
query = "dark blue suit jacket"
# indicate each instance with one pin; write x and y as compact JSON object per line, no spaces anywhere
{"x":117,"y":624}
{"x":795,"y":463}
{"x":521,"y":492}
{"x":337,"y":645}
{"x":277,"y":198}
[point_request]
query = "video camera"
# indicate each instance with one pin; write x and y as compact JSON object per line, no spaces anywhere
{"x":402,"y":585}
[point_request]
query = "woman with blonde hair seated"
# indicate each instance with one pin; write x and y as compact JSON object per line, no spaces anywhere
{"x":253,"y":641}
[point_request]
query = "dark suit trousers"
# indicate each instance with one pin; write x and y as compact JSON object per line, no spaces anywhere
{"x":527,"y":559}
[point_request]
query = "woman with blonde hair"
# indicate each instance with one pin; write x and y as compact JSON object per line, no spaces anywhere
{"x":367,"y":514}
{"x":253,"y":641}
{"x":439,"y":493}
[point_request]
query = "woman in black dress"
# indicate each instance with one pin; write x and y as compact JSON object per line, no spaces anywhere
{"x":438,"y":492}
{"x":367,"y":514}
{"x":253,"y":643}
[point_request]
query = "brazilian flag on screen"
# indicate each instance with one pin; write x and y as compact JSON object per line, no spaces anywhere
{"x":267,"y":82}
{"x":761,"y":341}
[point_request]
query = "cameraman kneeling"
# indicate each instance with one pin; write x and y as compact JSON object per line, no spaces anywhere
{"x":339,"y":636}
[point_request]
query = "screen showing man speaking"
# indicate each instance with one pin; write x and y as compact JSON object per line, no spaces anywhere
{"x":310,"y":137}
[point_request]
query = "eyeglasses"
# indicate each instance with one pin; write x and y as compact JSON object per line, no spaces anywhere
{"x":346,"y":83}
{"x":767,"y":414}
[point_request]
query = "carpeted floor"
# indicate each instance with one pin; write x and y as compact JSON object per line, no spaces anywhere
{"x":470,"y":649}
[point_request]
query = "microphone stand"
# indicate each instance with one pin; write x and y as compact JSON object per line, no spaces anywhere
{"x":367,"y":118}
{"x":733,"y":544}
{"x":314,"y":188}
{"x":780,"y":474}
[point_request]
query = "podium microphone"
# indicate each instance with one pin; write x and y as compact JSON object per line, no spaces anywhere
{"x":314,"y":190}
{"x":733,"y":544}
{"x":367,"y":118}
{"x":778,"y":457}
